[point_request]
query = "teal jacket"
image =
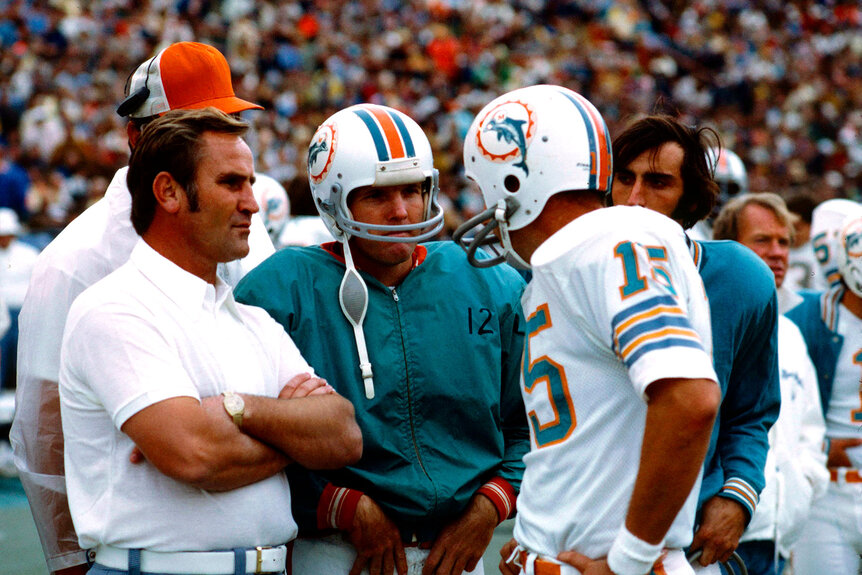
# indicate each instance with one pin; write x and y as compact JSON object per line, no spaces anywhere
{"x":445,"y":347}
{"x":744,"y":313}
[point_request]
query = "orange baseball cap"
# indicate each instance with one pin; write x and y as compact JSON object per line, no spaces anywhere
{"x":183,"y":76}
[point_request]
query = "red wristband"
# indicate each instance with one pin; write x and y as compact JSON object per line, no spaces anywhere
{"x":502,"y":495}
{"x":336,"y":507}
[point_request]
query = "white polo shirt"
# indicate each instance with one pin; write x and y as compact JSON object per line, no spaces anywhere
{"x":148,"y":332}
{"x":93,"y":245}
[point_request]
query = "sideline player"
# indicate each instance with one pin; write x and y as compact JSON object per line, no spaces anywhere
{"x":617,"y":379}
{"x":795,"y":472}
{"x":831,"y":323}
{"x":426,"y":347}
{"x":185,"y":75}
{"x":662,"y":164}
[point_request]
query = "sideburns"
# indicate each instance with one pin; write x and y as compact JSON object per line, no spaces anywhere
{"x":191,"y":192}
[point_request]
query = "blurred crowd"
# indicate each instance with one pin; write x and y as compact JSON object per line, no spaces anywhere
{"x":780,"y":81}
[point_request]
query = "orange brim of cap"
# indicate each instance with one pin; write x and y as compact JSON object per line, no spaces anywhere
{"x":228,"y":105}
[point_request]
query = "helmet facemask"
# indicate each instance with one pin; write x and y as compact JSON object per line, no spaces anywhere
{"x":850,"y":254}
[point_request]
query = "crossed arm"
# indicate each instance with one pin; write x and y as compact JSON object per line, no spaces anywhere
{"x":197,"y":442}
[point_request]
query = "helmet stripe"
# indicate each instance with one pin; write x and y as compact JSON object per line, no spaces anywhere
{"x":597,"y":132}
{"x":405,"y":135}
{"x":722,"y":165}
{"x":376,"y":134}
{"x":388,"y":131}
{"x":598,"y":124}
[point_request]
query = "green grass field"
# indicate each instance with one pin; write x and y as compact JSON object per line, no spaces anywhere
{"x":19,"y":543}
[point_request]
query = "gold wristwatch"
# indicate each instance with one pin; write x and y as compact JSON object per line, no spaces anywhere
{"x":235,"y":406}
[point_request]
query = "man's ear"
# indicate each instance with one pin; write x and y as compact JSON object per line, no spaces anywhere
{"x":133,"y":134}
{"x":167,"y":192}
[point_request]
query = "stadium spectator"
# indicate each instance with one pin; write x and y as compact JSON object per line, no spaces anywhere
{"x":780,"y":80}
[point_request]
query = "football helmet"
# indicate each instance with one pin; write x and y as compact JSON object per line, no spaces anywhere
{"x":826,"y":223}
{"x":524,"y":147}
{"x":371,"y":145}
{"x":729,"y":173}
{"x":849,"y":253}
{"x":274,"y":205}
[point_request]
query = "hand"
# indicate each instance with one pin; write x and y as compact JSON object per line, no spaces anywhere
{"x":505,"y":552}
{"x":377,"y":541}
{"x":304,"y":385}
{"x":837,"y":456}
{"x":584,"y":564}
{"x":720,"y":528}
{"x":460,"y":545}
{"x":137,"y":456}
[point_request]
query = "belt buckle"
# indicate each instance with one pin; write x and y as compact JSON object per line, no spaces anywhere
{"x":259,"y":550}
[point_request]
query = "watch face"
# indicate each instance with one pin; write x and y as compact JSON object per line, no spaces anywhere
{"x":233,"y":404}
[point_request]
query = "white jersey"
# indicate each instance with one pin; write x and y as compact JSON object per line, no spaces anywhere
{"x":615,"y":304}
{"x":844,"y":415}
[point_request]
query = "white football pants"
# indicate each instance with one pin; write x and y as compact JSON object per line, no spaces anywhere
{"x":333,"y":555}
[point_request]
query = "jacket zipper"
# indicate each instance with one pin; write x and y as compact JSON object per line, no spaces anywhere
{"x":409,"y":394}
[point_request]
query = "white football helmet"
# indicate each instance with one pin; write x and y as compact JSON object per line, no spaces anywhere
{"x":524,"y":147}
{"x":849,"y":253}
{"x":371,"y":145}
{"x":274,"y":205}
{"x":729,"y":173}
{"x":826,"y":223}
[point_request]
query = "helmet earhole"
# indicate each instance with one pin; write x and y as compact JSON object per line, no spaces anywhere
{"x":512,"y":183}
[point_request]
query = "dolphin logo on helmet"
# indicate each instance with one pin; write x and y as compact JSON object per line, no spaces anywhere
{"x":324,"y":140}
{"x":505,"y":132}
{"x":315,"y":150}
{"x":511,"y":131}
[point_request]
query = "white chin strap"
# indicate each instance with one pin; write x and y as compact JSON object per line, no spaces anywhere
{"x":353,"y":297}
{"x":500,"y":216}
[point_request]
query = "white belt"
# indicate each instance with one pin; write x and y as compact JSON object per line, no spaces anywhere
{"x":257,"y":560}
